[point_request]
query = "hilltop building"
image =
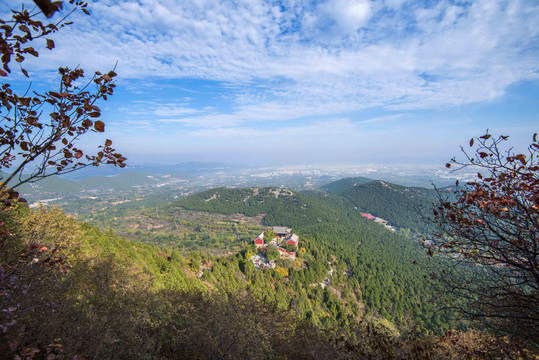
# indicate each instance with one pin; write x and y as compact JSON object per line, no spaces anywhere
{"x":259,"y":241}
{"x":293,"y":239}
{"x":281,"y":231}
{"x":284,"y":238}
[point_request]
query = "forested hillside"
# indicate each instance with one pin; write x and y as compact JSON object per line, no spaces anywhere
{"x":80,"y":292}
{"x":387,"y":268}
{"x":400,"y":205}
{"x":71,"y":290}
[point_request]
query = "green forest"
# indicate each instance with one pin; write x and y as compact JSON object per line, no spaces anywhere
{"x":355,"y":289}
{"x":386,"y":270}
{"x":400,"y":205}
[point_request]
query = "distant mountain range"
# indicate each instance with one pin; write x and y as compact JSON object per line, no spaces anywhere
{"x":120,"y":182}
{"x":395,"y":203}
{"x":185,"y":168}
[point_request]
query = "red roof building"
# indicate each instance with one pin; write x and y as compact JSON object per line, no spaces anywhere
{"x":292,"y":240}
{"x":259,"y":241}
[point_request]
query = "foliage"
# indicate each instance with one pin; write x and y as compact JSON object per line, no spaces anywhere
{"x":277,"y":204}
{"x":177,"y":228}
{"x":101,"y":287}
{"x":491,"y":234}
{"x":282,"y":271}
{"x":272,"y":253}
{"x":269,"y":235}
{"x":291,"y":248}
{"x":44,"y":147}
{"x":124,"y":300}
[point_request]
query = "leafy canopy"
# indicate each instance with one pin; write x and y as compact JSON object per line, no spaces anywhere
{"x":39,"y":133}
{"x":491,"y":233}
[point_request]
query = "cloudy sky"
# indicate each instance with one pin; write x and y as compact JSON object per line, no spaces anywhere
{"x":306,"y":82}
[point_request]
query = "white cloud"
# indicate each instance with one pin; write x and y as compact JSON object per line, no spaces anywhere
{"x":347,"y":16}
{"x":277,"y":65}
{"x":379,"y":119}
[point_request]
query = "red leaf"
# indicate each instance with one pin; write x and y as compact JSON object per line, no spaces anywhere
{"x":471,"y":142}
{"x":31,"y":51}
{"x":25,"y":101}
{"x":486,"y":136}
{"x":108,"y":142}
{"x":86,"y":123}
{"x":99,"y":126}
{"x":50,"y":44}
{"x":522,"y":158}
{"x":48,"y":7}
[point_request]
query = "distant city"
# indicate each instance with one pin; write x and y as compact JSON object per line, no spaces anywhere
{"x":170,"y":182}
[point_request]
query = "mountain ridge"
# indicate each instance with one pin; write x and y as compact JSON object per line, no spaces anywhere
{"x":402,"y":206}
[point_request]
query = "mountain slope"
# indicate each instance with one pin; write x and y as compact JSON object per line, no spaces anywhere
{"x":280,"y":206}
{"x":78,"y":291}
{"x":398,"y":204}
{"x":379,"y":262}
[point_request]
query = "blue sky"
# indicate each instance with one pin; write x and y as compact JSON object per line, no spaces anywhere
{"x":306,"y":82}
